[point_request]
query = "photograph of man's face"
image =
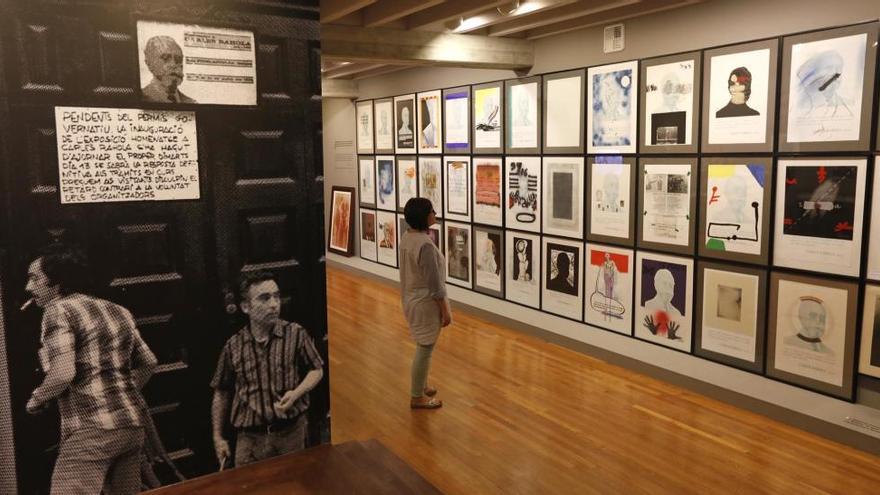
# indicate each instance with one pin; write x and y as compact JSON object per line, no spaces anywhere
{"x":164,"y":58}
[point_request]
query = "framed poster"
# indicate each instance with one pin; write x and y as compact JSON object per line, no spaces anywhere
{"x":667,"y":205}
{"x":435,"y":232}
{"x":609,"y":288}
{"x":664,"y":313}
{"x":196,"y":64}
{"x":735,"y":197}
{"x":458,"y":253}
{"x":730,"y":308}
{"x":430,"y":130}
{"x":563,"y":208}
{"x":404,"y":123}
{"x":873,"y":272}
{"x":820,"y":214}
{"x":670,"y":94}
{"x":364,"y":112}
{"x":523,"y":268}
{"x":386,"y":192}
{"x":739,"y":95}
{"x":489,"y":261}
{"x":562,"y":285}
{"x":812,"y":333}
{"x":827,"y":89}
{"x":457,"y":120}
{"x":523,"y":97}
{"x":456,"y":180}
{"x":612,"y":92}
{"x":610,"y":199}
{"x":431,"y":182}
{"x":869,"y":357}
{"x":368,"y":234}
{"x":367,"y":181}
{"x":522,"y":174}
{"x":488,"y":108}
{"x":386,"y":233}
{"x":384,"y":122}
{"x":340,"y":239}
{"x":488,"y":190}
{"x":564,"y":112}
{"x":407,"y":180}
{"x":402,"y":227}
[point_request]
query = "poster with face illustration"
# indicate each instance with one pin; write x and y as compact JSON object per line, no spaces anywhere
{"x":523,"y":115}
{"x":430,"y":131}
{"x":562,"y":284}
{"x":663,"y":300}
{"x":739,"y":91}
{"x":489,"y":261}
{"x":367,"y":181}
{"x":407,"y":180}
{"x":610,"y":197}
{"x":386,"y":236}
{"x":523,"y":200}
{"x":404,"y":124}
{"x":386,"y":192}
{"x":364,"y":124}
{"x":812,"y":332}
{"x":458,"y":253}
{"x":384,"y":117}
{"x":669,"y":102}
{"x":820,"y":214}
{"x":523,"y":268}
{"x":608,"y":287}
{"x":735,"y":208}
{"x":826,"y":81}
{"x":869,"y":356}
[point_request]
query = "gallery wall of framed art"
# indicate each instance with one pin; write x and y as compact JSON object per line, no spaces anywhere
{"x":684,"y":214}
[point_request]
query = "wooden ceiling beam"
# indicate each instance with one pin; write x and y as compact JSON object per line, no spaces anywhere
{"x":400,"y":47}
{"x":332,"y":10}
{"x":450,"y":10}
{"x":339,"y":88}
{"x":645,"y":7}
{"x":387,"y":11}
{"x":493,"y":17}
{"x":348,"y":70}
{"x":385,"y":69}
{"x":575,"y":10}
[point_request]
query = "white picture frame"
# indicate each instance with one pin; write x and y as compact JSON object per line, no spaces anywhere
{"x":608,"y":287}
{"x":523,"y":268}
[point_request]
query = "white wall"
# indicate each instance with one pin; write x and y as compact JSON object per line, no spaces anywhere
{"x":704,"y":25}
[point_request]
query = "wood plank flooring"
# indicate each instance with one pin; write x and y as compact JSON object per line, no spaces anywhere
{"x":525,"y":416}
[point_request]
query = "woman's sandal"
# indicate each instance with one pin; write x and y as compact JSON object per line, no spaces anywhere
{"x":430,"y":391}
{"x":430,"y":404}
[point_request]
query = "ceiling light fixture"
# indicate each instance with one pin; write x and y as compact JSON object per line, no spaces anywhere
{"x":512,"y":10}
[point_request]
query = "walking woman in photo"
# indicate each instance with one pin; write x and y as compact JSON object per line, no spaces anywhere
{"x":423,"y":293}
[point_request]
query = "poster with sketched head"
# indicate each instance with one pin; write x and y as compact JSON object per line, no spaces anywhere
{"x":368,"y":234}
{"x":367,"y":181}
{"x":609,"y":286}
{"x":663,"y":300}
{"x":826,"y":84}
{"x":431,"y":182}
{"x":523,"y":268}
{"x":458,"y":254}
{"x":819,"y":214}
{"x":364,"y":115}
{"x":523,"y":201}
{"x":812,"y":332}
{"x":735,"y":208}
{"x":185,"y":63}
{"x":386,"y":193}
{"x":487,"y":191}
{"x":610,"y":182}
{"x":611,"y":118}
{"x":869,"y":356}
{"x":384,"y":115}
{"x":669,"y":102}
{"x":523,"y":115}
{"x":562,"y":292}
{"x":430,"y":130}
{"x":404,"y":124}
{"x":740,"y":97}
{"x":386,"y":235}
{"x":407,"y":180}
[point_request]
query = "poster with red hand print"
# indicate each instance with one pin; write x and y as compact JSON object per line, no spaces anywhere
{"x":820,"y":215}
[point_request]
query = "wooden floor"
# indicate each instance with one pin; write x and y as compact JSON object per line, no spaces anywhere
{"x":521,"y":415}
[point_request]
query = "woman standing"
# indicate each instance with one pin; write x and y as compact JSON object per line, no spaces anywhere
{"x":423,"y":293}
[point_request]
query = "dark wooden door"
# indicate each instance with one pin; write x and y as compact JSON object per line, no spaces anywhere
{"x":173,"y":263}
